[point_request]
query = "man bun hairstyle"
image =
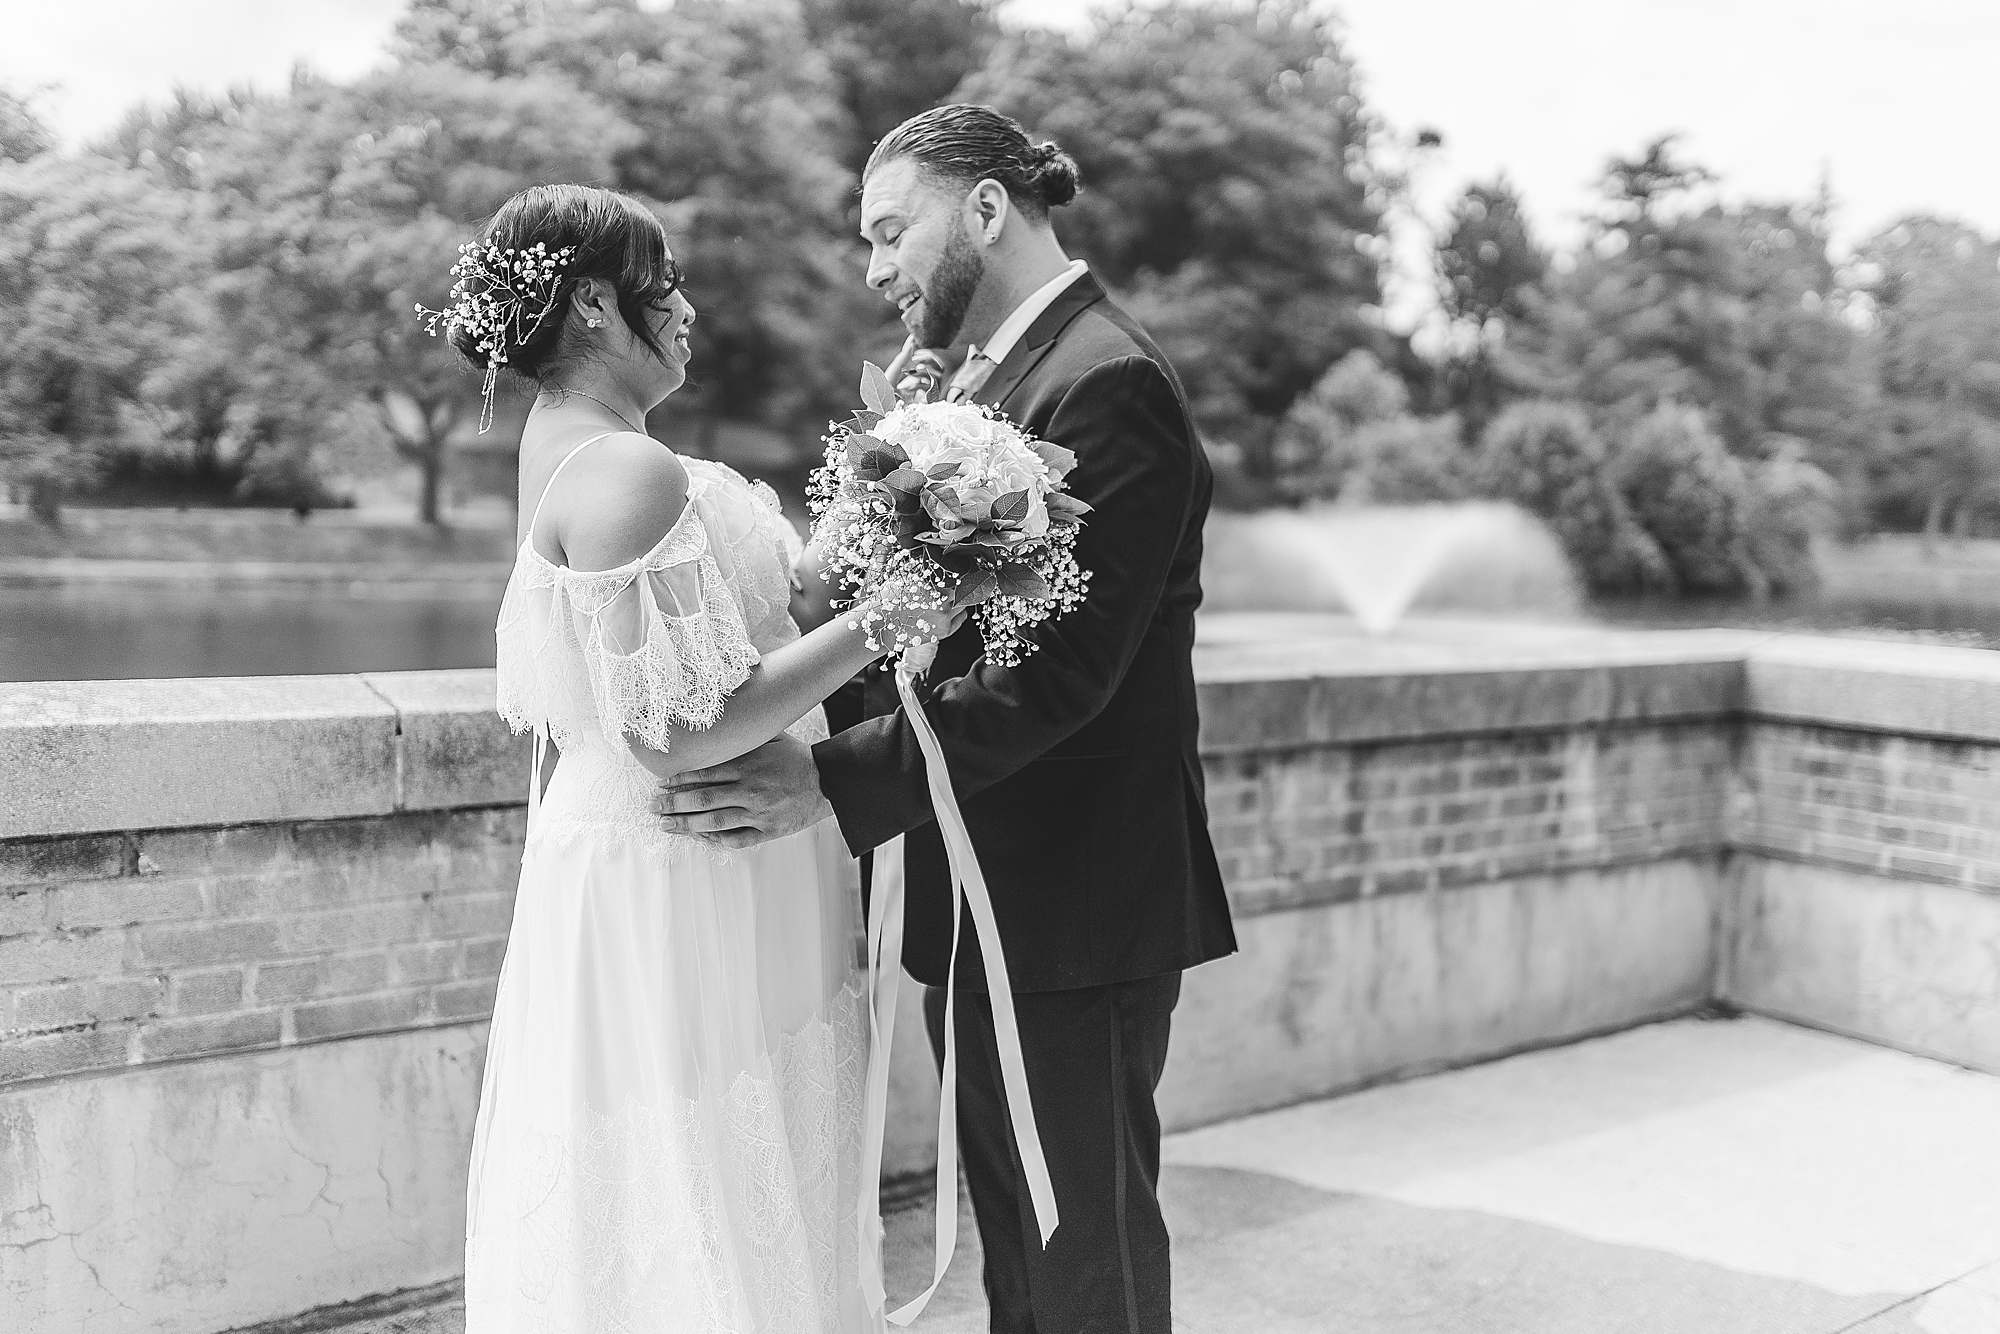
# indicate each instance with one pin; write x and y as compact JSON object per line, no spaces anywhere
{"x":965,"y":143}
{"x":611,"y":236}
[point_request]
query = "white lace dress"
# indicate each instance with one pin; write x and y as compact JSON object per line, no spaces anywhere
{"x":669,"y":1130}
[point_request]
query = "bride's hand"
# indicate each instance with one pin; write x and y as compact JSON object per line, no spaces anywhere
{"x":914,"y":619}
{"x":917,"y":369}
{"x":945,"y":624}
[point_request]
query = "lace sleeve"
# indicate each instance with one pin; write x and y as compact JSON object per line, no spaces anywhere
{"x":663,"y":643}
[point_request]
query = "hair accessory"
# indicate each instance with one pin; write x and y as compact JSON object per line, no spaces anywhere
{"x":501,"y":298}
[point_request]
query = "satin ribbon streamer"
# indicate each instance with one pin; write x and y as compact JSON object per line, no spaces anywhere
{"x":885,"y":954}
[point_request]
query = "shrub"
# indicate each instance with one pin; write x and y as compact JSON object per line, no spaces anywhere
{"x":1315,"y":447}
{"x":1406,"y":461}
{"x":1695,"y":498}
{"x":1546,"y":458}
{"x":1792,"y":504}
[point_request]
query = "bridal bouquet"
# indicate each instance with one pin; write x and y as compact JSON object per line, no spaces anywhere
{"x":940,"y":506}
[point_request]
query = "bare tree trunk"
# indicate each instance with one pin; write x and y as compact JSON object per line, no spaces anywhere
{"x":1933,"y":523}
{"x":432,"y":463}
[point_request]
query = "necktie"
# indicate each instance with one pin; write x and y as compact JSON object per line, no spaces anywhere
{"x":971,"y":376}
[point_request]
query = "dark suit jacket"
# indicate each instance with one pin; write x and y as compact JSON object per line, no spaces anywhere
{"x":1077,"y":771}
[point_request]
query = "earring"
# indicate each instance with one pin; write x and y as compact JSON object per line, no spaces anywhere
{"x":595,"y":324}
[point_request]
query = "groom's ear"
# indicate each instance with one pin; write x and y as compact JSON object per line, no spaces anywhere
{"x":987,"y":210}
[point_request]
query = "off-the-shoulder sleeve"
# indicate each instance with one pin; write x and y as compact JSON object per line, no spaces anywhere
{"x":635,"y":651}
{"x":663,"y":644}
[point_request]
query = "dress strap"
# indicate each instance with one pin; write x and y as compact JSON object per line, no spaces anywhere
{"x":550,"y":484}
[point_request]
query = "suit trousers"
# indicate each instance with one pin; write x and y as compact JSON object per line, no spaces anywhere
{"x":1094,"y":1058}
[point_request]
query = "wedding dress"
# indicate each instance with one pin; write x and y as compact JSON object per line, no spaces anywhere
{"x":668,"y":1137}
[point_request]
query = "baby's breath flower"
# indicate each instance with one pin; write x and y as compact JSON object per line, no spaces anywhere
{"x":500,"y":299}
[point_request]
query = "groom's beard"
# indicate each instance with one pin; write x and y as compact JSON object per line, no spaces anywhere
{"x":948,"y":295}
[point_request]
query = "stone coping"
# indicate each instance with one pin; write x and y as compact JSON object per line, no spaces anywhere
{"x":92,"y":756}
{"x":434,"y":578}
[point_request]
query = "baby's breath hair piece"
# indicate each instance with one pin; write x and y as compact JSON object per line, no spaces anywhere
{"x":501,"y":298}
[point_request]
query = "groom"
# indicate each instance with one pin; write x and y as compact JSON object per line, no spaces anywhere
{"x":1077,"y":770}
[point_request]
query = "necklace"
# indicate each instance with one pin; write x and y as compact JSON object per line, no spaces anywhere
{"x":638,"y":430}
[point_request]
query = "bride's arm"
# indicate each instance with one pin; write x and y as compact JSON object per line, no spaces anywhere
{"x":779,"y":691}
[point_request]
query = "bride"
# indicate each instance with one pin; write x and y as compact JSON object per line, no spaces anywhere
{"x":669,"y":1131}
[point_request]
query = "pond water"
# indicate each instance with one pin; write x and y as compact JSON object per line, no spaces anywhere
{"x":1963,"y":622}
{"x":119,"y":632}
{"x":115,"y":632}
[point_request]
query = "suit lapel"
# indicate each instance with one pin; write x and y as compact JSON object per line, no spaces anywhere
{"x":1078,"y":297}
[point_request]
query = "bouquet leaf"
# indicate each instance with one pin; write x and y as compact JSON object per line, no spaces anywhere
{"x":876,"y":391}
{"x":1060,"y":460}
{"x":861,"y":423}
{"x":1020,"y":580}
{"x":905,"y":479}
{"x":1011,"y":508}
{"x":959,"y":560}
{"x":872,"y":460}
{"x":1062,"y":502}
{"x":975,"y":588}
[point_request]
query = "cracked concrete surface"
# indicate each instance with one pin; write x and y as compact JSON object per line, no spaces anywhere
{"x":1740,"y":1177}
{"x":347,"y":1152}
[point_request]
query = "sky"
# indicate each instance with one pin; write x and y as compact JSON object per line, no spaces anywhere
{"x":1897,"y":101}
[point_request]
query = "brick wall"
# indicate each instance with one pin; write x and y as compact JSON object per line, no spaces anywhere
{"x":125,"y":949}
{"x":1325,"y":824}
{"x":1906,"y":807}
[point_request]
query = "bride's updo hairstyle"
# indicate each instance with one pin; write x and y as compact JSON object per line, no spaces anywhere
{"x":612,"y":237}
{"x":966,"y":143}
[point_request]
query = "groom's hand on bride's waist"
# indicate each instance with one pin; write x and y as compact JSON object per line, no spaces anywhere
{"x":769,"y":793}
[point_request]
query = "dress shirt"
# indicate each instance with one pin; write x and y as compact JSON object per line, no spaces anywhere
{"x":1025,"y":314}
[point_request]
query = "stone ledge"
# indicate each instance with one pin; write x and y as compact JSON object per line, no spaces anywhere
{"x":87,"y":757}
{"x":94,"y":756}
{"x":1907,"y":689}
{"x":1355,"y":708}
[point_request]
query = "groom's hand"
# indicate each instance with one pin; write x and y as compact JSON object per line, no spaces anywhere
{"x":769,"y":793}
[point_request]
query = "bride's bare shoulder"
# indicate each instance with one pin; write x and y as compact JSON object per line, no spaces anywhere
{"x":627,"y":499}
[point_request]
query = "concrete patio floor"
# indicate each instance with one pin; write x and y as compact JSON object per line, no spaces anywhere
{"x":1696,"y":1177}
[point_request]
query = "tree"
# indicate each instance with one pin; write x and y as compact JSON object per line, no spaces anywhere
{"x":1548,"y":459}
{"x":23,"y":135}
{"x":1489,"y":269}
{"x":1229,"y":192}
{"x":1736,"y":311}
{"x":1935,"y":290}
{"x":484,"y":36}
{"x":738,"y":132}
{"x":1652,"y":312}
{"x":94,"y":266}
{"x":891,"y":59}
{"x":344,"y":206}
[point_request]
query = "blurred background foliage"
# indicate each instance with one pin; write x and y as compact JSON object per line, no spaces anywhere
{"x":212,"y":305}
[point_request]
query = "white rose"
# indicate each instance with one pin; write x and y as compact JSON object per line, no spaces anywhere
{"x":1016,"y":468}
